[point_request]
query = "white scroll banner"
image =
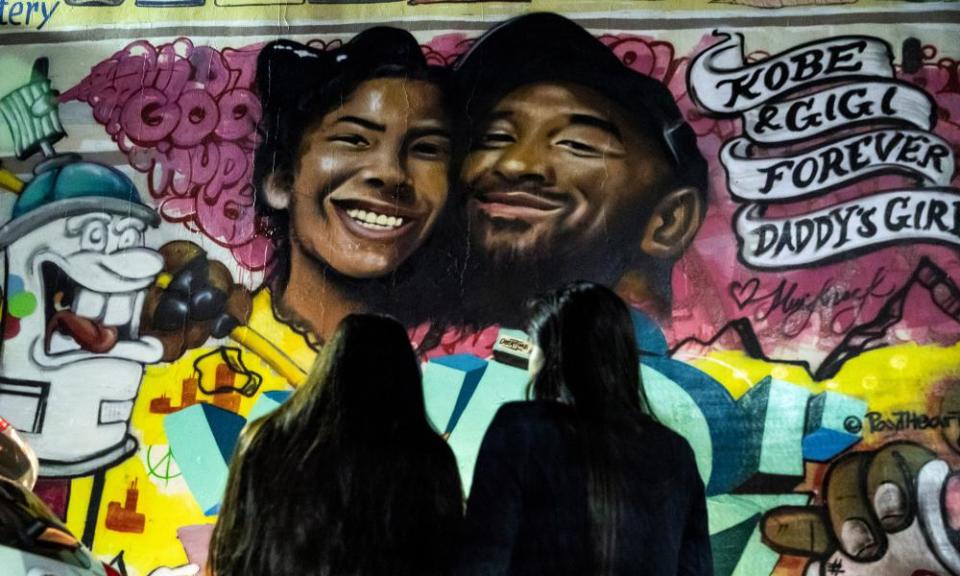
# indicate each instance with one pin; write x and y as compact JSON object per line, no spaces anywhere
{"x":783,"y":178}
{"x":721,"y":82}
{"x":857,"y":226}
{"x":840,"y":107}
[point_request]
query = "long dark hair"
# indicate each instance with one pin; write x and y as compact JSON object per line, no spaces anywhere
{"x":591,"y":362}
{"x":347,"y":477}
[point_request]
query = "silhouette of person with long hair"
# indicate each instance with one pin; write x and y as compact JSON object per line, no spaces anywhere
{"x":347,"y":477}
{"x":582,"y":481}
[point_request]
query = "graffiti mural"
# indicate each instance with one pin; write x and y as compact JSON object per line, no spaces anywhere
{"x":188,"y":211}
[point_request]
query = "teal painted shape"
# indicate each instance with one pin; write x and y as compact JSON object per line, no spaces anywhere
{"x":500,"y":384}
{"x":675,"y":407}
{"x":776,"y":414}
{"x":826,"y":427}
{"x":202,"y":439}
{"x":267,"y":403}
{"x":76,"y":180}
{"x":448,"y":384}
{"x":729,"y":511}
{"x":728,"y":546}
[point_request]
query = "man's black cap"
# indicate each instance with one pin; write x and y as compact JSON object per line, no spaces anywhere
{"x":546,"y":47}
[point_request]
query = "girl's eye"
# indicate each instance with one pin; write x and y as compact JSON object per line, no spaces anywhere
{"x":351,"y":139}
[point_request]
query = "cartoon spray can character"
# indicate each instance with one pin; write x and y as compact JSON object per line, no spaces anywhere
{"x":76,"y":274}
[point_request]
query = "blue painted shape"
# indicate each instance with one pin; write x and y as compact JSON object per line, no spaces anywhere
{"x":824,"y":445}
{"x":472,"y":369}
{"x":76,"y":180}
{"x":826,"y":427}
{"x":500,"y":384}
{"x":202,"y":438}
{"x":14,"y":284}
{"x":268,"y":402}
{"x":727,"y":427}
{"x":650,"y":339}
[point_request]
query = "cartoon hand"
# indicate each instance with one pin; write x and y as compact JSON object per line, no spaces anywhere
{"x":895,"y":511}
{"x":194,"y":298}
{"x":186,"y":570}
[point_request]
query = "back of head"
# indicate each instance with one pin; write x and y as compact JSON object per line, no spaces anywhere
{"x":590,"y":360}
{"x":365,"y":384}
{"x":320,"y":475}
{"x":590,"y":352}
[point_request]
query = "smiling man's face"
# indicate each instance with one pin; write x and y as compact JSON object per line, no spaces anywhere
{"x":558,"y":172}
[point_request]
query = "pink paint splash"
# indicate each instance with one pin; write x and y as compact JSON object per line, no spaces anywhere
{"x":187,"y":117}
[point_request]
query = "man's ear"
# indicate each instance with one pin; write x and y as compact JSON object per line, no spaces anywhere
{"x":276,"y":191}
{"x":673,"y":223}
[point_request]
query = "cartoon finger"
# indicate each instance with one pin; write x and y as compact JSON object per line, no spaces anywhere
{"x":797,"y":530}
{"x":852,"y":520}
{"x":891,"y":483}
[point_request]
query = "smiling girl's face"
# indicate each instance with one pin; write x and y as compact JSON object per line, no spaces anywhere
{"x":372,"y":178}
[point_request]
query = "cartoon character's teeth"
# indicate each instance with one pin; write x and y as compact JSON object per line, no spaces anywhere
{"x":370,"y":218}
{"x":382,"y":219}
{"x":119,"y":309}
{"x":89,"y":304}
{"x":138,"y":300}
{"x":60,"y":343}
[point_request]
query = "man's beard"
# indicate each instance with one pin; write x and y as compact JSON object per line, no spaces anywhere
{"x":502,"y":276}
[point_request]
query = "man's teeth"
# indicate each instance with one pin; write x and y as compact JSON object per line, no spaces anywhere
{"x":375,"y":221}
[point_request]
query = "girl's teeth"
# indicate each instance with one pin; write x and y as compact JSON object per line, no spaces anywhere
{"x":375,"y":221}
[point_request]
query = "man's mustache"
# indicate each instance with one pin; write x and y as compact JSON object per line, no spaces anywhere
{"x":549,"y":193}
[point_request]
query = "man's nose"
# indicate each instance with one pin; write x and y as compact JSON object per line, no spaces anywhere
{"x":526,"y":160}
{"x":387,"y":174}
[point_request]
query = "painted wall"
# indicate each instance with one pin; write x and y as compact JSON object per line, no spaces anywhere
{"x":809,"y":352}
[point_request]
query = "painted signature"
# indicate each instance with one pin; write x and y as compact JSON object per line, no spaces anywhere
{"x":844,"y":303}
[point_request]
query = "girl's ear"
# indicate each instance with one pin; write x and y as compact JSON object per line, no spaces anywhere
{"x":275,"y":192}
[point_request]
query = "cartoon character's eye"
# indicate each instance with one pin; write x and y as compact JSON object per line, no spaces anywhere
{"x":94,"y":236}
{"x":129,"y":238}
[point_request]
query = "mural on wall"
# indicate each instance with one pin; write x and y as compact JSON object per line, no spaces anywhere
{"x":189,"y":217}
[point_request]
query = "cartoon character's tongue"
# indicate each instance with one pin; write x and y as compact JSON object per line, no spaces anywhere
{"x":91,"y":335}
